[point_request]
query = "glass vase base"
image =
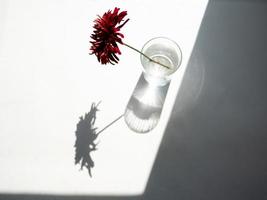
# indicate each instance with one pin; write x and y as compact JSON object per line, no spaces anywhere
{"x":144,"y":108}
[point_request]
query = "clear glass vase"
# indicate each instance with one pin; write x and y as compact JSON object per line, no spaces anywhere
{"x":145,"y":105}
{"x":162,"y":50}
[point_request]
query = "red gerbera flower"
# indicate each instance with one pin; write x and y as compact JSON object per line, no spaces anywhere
{"x":106,"y":36}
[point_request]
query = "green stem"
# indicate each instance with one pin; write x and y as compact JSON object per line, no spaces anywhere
{"x":150,"y":59}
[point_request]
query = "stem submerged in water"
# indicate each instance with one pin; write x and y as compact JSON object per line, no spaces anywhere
{"x":150,"y":59}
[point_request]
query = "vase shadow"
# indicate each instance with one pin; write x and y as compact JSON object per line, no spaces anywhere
{"x":144,"y":108}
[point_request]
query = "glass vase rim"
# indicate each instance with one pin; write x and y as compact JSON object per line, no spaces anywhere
{"x":167,"y":39}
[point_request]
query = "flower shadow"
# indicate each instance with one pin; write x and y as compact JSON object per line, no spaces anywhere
{"x":85,"y":139}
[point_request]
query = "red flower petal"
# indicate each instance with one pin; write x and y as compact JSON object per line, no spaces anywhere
{"x":106,"y":36}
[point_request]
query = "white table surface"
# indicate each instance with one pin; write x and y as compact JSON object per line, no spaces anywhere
{"x":48,"y":80}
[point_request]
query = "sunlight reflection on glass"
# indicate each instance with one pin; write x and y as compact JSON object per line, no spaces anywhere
{"x":145,"y":105}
